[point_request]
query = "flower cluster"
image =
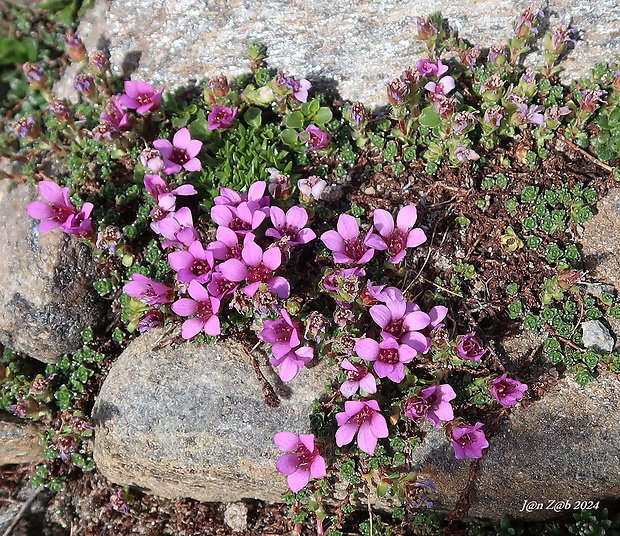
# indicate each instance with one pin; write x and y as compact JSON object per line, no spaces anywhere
{"x":59,"y":212}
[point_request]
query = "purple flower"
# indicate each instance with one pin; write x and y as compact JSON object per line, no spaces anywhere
{"x":397,"y":91}
{"x":432,"y":402}
{"x":470,"y":347}
{"x":311,"y":188}
{"x":591,"y":99}
{"x":299,"y":89}
{"x":346,"y":243}
{"x":426,"y":29}
{"x":395,"y":241}
{"x":26,"y":127}
{"x":463,"y":154}
{"x":205,"y":309}
{"x":525,"y":25}
{"x":59,"y":211}
{"x":148,"y":291}
{"x":304,"y":462}
{"x":468,"y":441}
{"x":178,"y":228}
{"x":361,"y":418}
{"x":358,"y":377}
{"x":291,"y":226}
{"x":530,"y":114}
{"x":257,"y":267}
{"x":115,"y":116}
{"x":35,"y":75}
{"x":150,"y":320}
{"x":160,"y":191}
{"x":283,"y":333}
{"x":141,"y":97}
{"x":292,"y":362}
{"x":388,"y":355}
{"x":226,"y":246}
{"x":221,"y":117}
{"x":440,"y":89}
{"x":181,"y":153}
{"x":195,"y":263}
{"x":242,"y":219}
{"x":316,"y":138}
{"x":494,"y":116}
{"x":280,"y":184}
{"x":400,"y":321}
{"x":428,"y":68}
{"x":85,"y":84}
{"x":507,"y":391}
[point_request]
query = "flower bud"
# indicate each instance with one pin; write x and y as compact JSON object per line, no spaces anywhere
{"x":85,"y":84}
{"x":426,"y":29}
{"x":61,"y":110}
{"x":74,"y":46}
{"x":35,"y":75}
{"x":219,"y":86}
{"x":98,"y":62}
{"x":26,"y":127}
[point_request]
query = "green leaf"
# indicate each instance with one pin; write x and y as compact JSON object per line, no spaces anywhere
{"x":324,"y":115}
{"x":253,"y":117}
{"x":295,"y":120}
{"x":199,"y":129}
{"x":429,"y":117}
{"x":289,"y":136}
{"x":180,"y":121}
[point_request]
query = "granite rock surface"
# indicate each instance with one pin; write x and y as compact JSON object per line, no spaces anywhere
{"x":46,"y":293}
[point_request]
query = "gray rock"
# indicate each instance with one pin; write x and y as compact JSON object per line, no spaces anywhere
{"x":370,"y":44}
{"x":236,"y":516}
{"x":46,"y":293}
{"x":561,"y":448}
{"x":191,"y":421}
{"x":596,"y":335}
{"x":19,"y":441}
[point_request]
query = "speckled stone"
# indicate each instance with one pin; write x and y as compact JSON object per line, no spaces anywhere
{"x":357,"y":45}
{"x":46,"y":293}
{"x":191,"y":421}
{"x":19,"y":440}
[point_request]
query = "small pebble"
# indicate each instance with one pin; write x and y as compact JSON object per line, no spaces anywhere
{"x":236,"y":516}
{"x":370,"y":191}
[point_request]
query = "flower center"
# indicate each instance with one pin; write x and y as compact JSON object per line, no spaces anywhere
{"x":259,"y":273}
{"x":204,"y":309}
{"x":356,"y":375}
{"x":389,"y":356}
{"x":396,"y":242}
{"x":179,"y":156}
{"x":354,"y":249}
{"x":201,"y":267}
{"x":395,"y":328}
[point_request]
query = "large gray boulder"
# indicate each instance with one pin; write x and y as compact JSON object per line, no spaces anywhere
{"x":191,"y":421}
{"x":359,"y":44}
{"x":46,"y":293}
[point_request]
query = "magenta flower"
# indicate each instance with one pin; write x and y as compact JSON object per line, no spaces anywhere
{"x":427,"y":67}
{"x":311,"y":188}
{"x":468,"y":441}
{"x":389,"y":357}
{"x":178,"y":228}
{"x":148,"y":291}
{"x":346,"y":243}
{"x":255,"y":194}
{"x":440,"y":89}
{"x":358,"y":377}
{"x":396,"y":240}
{"x":304,"y":462}
{"x":115,"y":116}
{"x":283,"y":333}
{"x":299,"y":89}
{"x":160,"y":191}
{"x":530,"y":114}
{"x":432,"y":402}
{"x":291,"y":226}
{"x":242,"y":219}
{"x":292,"y":362}
{"x":470,"y":347}
{"x":316,"y":138}
{"x":398,"y":320}
{"x":205,"y":309}
{"x":463,"y":154}
{"x":257,"y":267}
{"x":141,"y":97}
{"x":181,"y":153}
{"x":361,"y":418}
{"x":194,"y":263}
{"x":221,"y":117}
{"x":59,"y":211}
{"x":507,"y":391}
{"x":152,"y":319}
